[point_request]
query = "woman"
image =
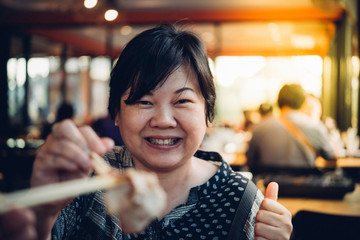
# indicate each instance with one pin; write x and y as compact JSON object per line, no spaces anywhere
{"x":162,"y":96}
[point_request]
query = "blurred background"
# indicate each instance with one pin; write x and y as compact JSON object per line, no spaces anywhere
{"x":54,"y":52}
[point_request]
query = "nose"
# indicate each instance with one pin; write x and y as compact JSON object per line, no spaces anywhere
{"x":163,"y":117}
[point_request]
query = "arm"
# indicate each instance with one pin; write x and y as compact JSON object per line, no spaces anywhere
{"x":273,"y":220}
{"x":63,"y":157}
{"x":326,"y":148}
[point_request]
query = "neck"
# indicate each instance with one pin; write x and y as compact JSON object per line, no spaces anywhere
{"x":177,"y":182}
{"x":285,"y":110}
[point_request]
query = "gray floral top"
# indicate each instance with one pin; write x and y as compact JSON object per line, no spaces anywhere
{"x":208,"y":213}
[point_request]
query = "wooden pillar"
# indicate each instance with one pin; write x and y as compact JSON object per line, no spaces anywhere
{"x":4,"y":57}
{"x":26,"y":52}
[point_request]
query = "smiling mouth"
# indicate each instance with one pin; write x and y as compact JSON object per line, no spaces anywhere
{"x":167,"y":141}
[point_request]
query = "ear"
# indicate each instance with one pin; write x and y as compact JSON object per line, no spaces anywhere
{"x":117,"y":118}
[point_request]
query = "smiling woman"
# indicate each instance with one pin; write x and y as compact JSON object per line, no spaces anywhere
{"x":162,"y":96}
{"x":172,"y":123}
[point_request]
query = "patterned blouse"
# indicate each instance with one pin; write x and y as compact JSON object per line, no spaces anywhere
{"x":208,"y":213}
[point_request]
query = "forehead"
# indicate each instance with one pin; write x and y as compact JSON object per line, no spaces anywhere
{"x":181,"y":80}
{"x":181,"y":77}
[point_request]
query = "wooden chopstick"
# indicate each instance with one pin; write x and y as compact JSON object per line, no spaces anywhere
{"x":57,"y":191}
{"x":100,"y":165}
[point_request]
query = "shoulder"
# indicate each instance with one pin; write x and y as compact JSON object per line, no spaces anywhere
{"x":208,"y":156}
{"x":266,"y":124}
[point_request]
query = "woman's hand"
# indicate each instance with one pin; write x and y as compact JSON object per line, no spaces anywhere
{"x":273,"y":220}
{"x":64,"y":156}
{"x":18,"y":224}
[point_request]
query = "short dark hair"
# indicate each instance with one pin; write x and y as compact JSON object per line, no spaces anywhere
{"x":151,"y":57}
{"x":291,"y":95}
{"x":265,"y":108}
{"x":65,"y":111}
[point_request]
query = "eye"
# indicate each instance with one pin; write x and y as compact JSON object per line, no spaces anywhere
{"x":142,"y":102}
{"x":182,"y":101}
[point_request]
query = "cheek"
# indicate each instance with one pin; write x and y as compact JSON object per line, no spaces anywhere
{"x":195,"y":122}
{"x":130,"y":123}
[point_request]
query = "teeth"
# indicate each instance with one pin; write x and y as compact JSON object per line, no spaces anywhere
{"x":169,"y":141}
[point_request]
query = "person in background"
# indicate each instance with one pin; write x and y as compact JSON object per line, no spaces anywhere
{"x":106,"y":127}
{"x":276,"y":142}
{"x":162,"y":97}
{"x":65,"y":111}
{"x":18,"y":224}
{"x":265,"y":110}
{"x":250,"y":119}
{"x":312,"y":107}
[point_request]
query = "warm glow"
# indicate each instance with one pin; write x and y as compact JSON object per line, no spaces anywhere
{"x":275,"y":32}
{"x":356,"y":66}
{"x":111,"y":15}
{"x":126,"y":30}
{"x":20,"y":72}
{"x":90,"y":3}
{"x":38,"y":67}
{"x":246,"y":82}
{"x":233,"y":68}
{"x":100,"y":68}
{"x":302,"y":41}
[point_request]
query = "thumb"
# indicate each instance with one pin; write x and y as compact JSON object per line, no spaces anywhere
{"x":272,"y":191}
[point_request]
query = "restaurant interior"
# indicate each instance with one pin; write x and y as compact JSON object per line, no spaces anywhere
{"x":54,"y":52}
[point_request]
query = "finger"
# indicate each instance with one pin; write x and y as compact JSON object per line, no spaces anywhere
{"x":259,"y":238}
{"x":272,"y":191}
{"x":63,"y":155}
{"x":270,"y":232}
{"x":273,"y":206}
{"x":95,"y":143}
{"x":108,"y":142}
{"x":268,"y":217}
{"x":68,"y":130}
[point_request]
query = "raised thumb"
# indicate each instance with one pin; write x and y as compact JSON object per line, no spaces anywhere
{"x":272,"y":191}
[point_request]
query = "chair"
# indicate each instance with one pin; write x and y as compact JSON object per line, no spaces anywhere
{"x":314,"y":225}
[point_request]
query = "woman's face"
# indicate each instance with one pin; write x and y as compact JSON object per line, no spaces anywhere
{"x":164,"y":129}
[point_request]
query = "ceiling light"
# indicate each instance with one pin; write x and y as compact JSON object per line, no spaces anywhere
{"x":111,"y":15}
{"x":90,"y":3}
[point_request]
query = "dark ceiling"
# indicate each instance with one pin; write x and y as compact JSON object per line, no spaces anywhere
{"x":227,"y":27}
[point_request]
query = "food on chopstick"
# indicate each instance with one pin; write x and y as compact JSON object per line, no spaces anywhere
{"x":134,"y":196}
{"x":57,"y":191}
{"x":137,"y":205}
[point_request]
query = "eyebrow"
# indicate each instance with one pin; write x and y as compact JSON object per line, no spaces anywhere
{"x":184,"y":89}
{"x":177,"y":91}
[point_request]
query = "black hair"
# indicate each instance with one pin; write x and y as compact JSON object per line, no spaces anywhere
{"x":65,"y":111}
{"x":151,"y":57}
{"x":265,"y":108}
{"x":291,"y":95}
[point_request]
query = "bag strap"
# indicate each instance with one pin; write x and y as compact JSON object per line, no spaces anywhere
{"x":297,"y":133}
{"x":242,"y":212}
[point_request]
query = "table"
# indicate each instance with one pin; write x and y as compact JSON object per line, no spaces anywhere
{"x":349,"y":205}
{"x":239,"y":159}
{"x":346,"y":162}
